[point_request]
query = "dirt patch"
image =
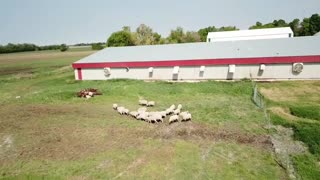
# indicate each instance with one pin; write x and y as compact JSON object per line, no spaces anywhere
{"x":6,"y":147}
{"x":63,"y":69}
{"x":284,"y":147}
{"x":193,"y":131}
{"x":45,"y":55}
{"x":16,"y":70}
{"x":75,"y":143}
{"x":69,"y":143}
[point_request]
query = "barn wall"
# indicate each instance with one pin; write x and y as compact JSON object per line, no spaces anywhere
{"x":272,"y":71}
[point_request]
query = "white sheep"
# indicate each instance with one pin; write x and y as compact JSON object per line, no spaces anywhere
{"x":151,"y":103}
{"x":88,"y":97}
{"x":174,"y":118}
{"x":179,"y":106}
{"x":163,"y":114}
{"x":120,"y":110}
{"x":186,"y":117}
{"x":125,"y":111}
{"x":143,"y":102}
{"x":151,"y":119}
{"x":151,"y":113}
{"x":142,"y":116}
{"x":115,"y":106}
{"x":142,"y":110}
{"x":183,"y":113}
{"x":90,"y":94}
{"x":176,"y":112}
{"x":168,"y":111}
{"x":134,"y":114}
{"x":172,"y":107}
{"x":157,"y":116}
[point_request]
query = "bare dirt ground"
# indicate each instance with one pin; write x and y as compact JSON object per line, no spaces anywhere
{"x":31,"y":56}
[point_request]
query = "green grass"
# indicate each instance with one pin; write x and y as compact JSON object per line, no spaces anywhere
{"x":310,"y":112}
{"x":57,"y":135}
{"x":301,"y":99}
{"x":307,"y":167}
{"x":309,"y":134}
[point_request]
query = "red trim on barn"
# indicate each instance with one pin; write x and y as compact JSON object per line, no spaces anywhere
{"x":202,"y":62}
{"x":79,"y":74}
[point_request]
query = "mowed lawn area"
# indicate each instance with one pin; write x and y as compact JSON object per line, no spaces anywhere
{"x":46,"y":131}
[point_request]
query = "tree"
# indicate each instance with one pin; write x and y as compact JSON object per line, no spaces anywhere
{"x":63,"y":47}
{"x":305,"y":27}
{"x":314,"y":24}
{"x":144,"y":36}
{"x":120,"y":38}
{"x":258,"y":24}
{"x":275,"y":23}
{"x":126,"y":28}
{"x":295,"y":26}
{"x":191,"y":36}
{"x":97,"y":46}
{"x":11,"y":48}
{"x":203,"y":33}
{"x":280,"y":23}
{"x":228,"y":28}
{"x":157,"y":38}
{"x":176,"y":36}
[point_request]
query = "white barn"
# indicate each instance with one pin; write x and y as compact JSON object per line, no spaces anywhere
{"x":270,"y":33}
{"x":280,"y":58}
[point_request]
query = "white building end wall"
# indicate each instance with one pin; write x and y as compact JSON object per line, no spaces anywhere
{"x":221,"y":72}
{"x":76,"y":74}
{"x":253,"y":34}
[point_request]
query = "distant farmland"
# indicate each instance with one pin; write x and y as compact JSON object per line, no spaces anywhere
{"x":46,"y":131}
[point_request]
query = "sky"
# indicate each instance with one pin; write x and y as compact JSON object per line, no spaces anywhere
{"x":45,"y":22}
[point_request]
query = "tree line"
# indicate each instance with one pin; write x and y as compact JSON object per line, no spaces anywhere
{"x":306,"y":27}
{"x":144,"y":35}
{"x":12,"y":48}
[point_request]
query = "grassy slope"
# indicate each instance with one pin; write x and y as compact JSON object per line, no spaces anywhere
{"x":297,"y":105}
{"x":56,"y":134}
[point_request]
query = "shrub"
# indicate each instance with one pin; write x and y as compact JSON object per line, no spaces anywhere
{"x":120,"y":38}
{"x":63,"y":47}
{"x":97,"y":46}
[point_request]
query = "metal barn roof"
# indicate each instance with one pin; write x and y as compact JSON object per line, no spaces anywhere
{"x":299,"y":46}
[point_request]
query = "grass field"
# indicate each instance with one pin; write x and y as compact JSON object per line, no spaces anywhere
{"x":48,"y":132}
{"x":296,"y":105}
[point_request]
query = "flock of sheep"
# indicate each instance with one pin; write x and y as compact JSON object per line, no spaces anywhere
{"x":172,"y":112}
